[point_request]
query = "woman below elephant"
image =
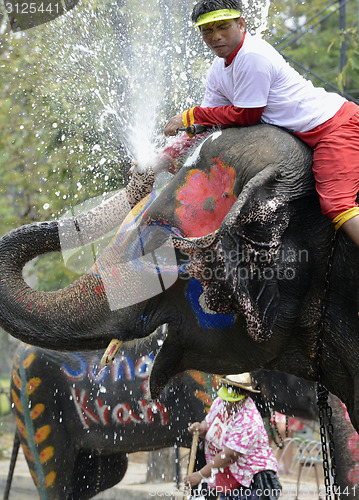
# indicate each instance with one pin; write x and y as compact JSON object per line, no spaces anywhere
{"x":250,"y":82}
{"x":239,"y":458}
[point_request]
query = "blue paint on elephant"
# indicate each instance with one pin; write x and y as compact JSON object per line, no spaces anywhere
{"x":206,"y":319}
{"x":75,"y":374}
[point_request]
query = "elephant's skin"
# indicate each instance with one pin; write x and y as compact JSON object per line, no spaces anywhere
{"x":77,"y":425}
{"x":270,"y":313}
{"x":286,"y":394}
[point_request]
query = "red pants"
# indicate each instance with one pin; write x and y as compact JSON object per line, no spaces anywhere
{"x":336,"y":163}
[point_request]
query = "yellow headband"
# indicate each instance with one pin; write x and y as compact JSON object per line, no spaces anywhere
{"x":217,"y":15}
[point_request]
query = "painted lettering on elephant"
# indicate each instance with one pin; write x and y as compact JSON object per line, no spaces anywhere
{"x":94,"y":410}
{"x":123,"y":368}
{"x":122,"y":413}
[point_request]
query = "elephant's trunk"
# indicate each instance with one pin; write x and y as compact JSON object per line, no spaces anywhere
{"x":78,"y":314}
{"x":49,"y":319}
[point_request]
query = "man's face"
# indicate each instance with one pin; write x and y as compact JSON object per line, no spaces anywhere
{"x":222,"y":37}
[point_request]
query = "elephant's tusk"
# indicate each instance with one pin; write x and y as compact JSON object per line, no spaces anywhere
{"x":111,"y":352}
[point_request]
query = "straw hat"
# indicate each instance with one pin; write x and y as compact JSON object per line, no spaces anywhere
{"x":242,"y":380}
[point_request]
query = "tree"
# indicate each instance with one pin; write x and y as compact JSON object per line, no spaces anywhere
{"x":309,"y":34}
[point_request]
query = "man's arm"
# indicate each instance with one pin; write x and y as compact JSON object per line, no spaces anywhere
{"x":223,"y":116}
{"x":226,"y":116}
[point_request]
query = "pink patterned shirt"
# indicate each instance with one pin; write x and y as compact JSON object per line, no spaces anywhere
{"x":242,"y":432}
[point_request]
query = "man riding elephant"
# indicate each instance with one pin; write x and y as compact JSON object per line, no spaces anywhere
{"x":250,"y":82}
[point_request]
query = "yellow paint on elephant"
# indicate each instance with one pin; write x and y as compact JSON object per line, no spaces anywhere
{"x":16,"y":361}
{"x":37,"y":411}
{"x":42,"y":434}
{"x":47,"y":454}
{"x":27,"y":453}
{"x":197,"y":376}
{"x":29,"y":360}
{"x":203,"y":396}
{"x":50,"y":479}
{"x":34,"y":478}
{"x":139,"y":208}
{"x":16,"y":379}
{"x":16,"y":401}
{"x":21,"y":428}
{"x":32,"y":385}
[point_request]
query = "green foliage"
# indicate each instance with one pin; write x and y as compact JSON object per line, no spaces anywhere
{"x":318,"y":47}
{"x":4,"y":396}
{"x":53,"y":154}
{"x":348,"y":78}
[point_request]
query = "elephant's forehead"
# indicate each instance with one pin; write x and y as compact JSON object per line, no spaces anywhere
{"x":204,"y":198}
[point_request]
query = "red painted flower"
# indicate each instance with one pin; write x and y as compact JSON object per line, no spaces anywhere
{"x":353,"y":445}
{"x":353,"y":476}
{"x":205,"y":199}
{"x":346,"y":414}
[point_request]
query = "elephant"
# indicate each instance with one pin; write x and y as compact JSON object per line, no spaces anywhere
{"x":77,"y":422}
{"x":249,"y":286}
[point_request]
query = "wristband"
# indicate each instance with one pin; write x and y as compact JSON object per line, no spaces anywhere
{"x":202,"y":476}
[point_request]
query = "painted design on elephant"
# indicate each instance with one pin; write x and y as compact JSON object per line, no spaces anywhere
{"x":34,"y":439}
{"x":95,"y":411}
{"x":206,"y":318}
{"x":205,"y":381}
{"x":205,"y":199}
{"x":353,"y":446}
{"x":130,"y":272}
{"x":128,"y":225}
{"x":29,"y":307}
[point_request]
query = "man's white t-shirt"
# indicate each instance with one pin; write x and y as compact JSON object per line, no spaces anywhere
{"x":260,"y":77}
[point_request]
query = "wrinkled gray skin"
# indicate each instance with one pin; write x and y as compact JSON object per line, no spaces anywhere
{"x":277,"y":323}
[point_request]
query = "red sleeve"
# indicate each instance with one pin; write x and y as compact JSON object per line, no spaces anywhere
{"x":227,"y":115}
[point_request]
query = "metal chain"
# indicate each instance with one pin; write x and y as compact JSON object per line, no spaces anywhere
{"x":273,"y":427}
{"x":326,"y":437}
{"x":325,"y":411}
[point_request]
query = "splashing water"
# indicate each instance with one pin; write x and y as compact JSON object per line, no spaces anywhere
{"x":123,"y":70}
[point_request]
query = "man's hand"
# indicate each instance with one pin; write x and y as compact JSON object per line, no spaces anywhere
{"x":173,"y":125}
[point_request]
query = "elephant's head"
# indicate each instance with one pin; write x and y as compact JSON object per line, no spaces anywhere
{"x":247,"y":296}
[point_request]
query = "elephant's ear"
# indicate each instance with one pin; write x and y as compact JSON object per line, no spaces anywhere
{"x":248,"y":251}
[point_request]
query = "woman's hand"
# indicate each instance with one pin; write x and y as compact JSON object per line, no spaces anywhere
{"x":193,"y":479}
{"x":200,"y":427}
